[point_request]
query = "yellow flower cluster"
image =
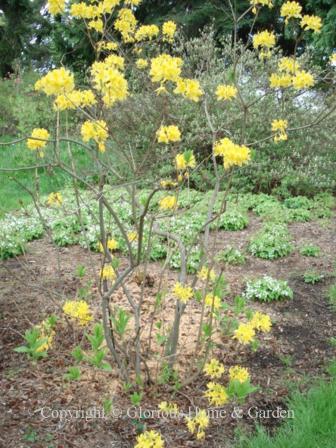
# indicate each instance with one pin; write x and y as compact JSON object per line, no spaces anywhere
{"x":185,"y":160}
{"x":288,"y":65}
{"x":226,"y":92}
{"x":183,"y":293}
{"x":141,"y":63}
{"x":47,"y":333}
{"x":108,"y":273}
{"x":168,"y":134}
{"x":56,"y":82}
{"x":206,"y":274}
{"x":280,"y":127}
{"x":264,"y":41}
{"x":212,"y":300}
{"x":313,"y":23}
{"x":56,"y":7}
{"x":244,"y":333}
{"x":111,"y":244}
{"x":238,"y":373}
{"x":189,"y":88}
{"x":234,"y":155}
{"x":291,"y":10}
{"x":126,"y":24}
{"x":75,"y":99}
{"x":198,"y":424}
{"x":149,"y":439}
{"x":39,"y":133}
{"x":97,"y":131}
{"x":170,"y":408}
{"x":261,"y":322}
{"x":165,"y":68}
{"x":55,"y":199}
{"x":96,"y":24}
{"x":109,"y":81}
{"x":216,"y":394}
{"x":214,"y":369}
{"x":132,"y":236}
{"x":78,"y":310}
{"x":107,"y":46}
{"x":301,"y":80}
{"x":147,"y":32}
{"x":280,"y":81}
{"x":168,"y":203}
{"x":168,"y":31}
{"x":333,"y":59}
{"x":257,"y":3}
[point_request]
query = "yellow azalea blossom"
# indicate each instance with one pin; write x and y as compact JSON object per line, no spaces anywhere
{"x":147,"y":32}
{"x":165,"y":68}
{"x":56,"y":82}
{"x":212,"y":300}
{"x":244,"y":333}
{"x":169,"y":408}
{"x":288,"y":65}
{"x":56,"y":7}
{"x":108,"y":80}
{"x":108,"y":273}
{"x":168,"y":203}
{"x":97,"y":131}
{"x":238,"y":373}
{"x":185,"y":160}
{"x":189,"y":88}
{"x":39,"y":133}
{"x":168,"y":183}
{"x":149,"y":439}
{"x":168,"y":134}
{"x":55,"y":199}
{"x":111,"y":244}
{"x":226,"y":92}
{"x":257,"y":3}
{"x":78,"y":310}
{"x":97,"y":25}
{"x":313,"y":23}
{"x":264,"y":39}
{"x":234,"y":155}
{"x":46,"y":333}
{"x":303,"y":80}
{"x":280,"y":81}
{"x":333,"y":59}
{"x":261,"y":322}
{"x":182,"y":292}
{"x":126,"y":24}
{"x":132,"y":236}
{"x":216,"y":394}
{"x":214,"y":369}
{"x":206,"y":274}
{"x":280,"y":127}
{"x":141,"y":63}
{"x":75,"y":99}
{"x":291,"y":10}
{"x":197,"y":425}
{"x":107,"y":46}
{"x":168,"y":31}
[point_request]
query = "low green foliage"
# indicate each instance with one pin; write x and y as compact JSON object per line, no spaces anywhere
{"x":231,"y":255}
{"x":268,"y":289}
{"x":310,"y":250}
{"x":331,"y":296}
{"x":312,"y":277}
{"x":231,"y":220}
{"x":313,"y":424}
{"x":272,"y":242}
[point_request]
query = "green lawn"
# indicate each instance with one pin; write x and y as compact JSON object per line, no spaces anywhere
{"x":314,"y":424}
{"x":12,"y":195}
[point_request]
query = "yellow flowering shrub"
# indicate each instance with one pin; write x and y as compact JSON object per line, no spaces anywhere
{"x":189,"y":88}
{"x":291,"y":10}
{"x":198,"y":424}
{"x":226,"y":92}
{"x":216,"y":394}
{"x":313,"y":23}
{"x":182,"y":292}
{"x":56,"y":82}
{"x":169,"y":30}
{"x":55,"y":199}
{"x":214,"y":369}
{"x":233,"y":154}
{"x":38,"y":145}
{"x":78,"y":310}
{"x":97,"y":131}
{"x":238,"y":373}
{"x":245,"y":333}
{"x":149,"y":439}
{"x":168,"y":203}
{"x":165,"y":68}
{"x":167,"y":134}
{"x":108,"y":273}
{"x":56,"y":6}
{"x":280,"y":127}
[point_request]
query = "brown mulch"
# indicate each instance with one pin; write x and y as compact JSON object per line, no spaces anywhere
{"x":35,"y":285}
